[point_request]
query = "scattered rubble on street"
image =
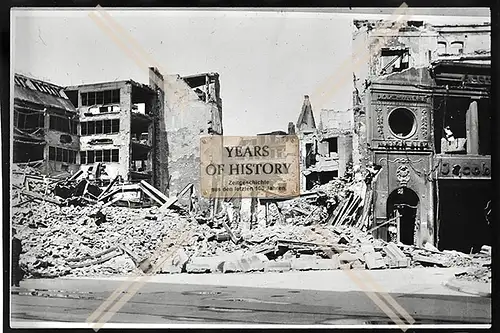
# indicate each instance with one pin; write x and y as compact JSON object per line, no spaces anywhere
{"x":72,"y":227}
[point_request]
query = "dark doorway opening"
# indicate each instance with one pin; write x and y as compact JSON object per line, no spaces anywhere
{"x":462,"y":222}
{"x":405,"y":202}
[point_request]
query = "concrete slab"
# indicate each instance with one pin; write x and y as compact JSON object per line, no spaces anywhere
{"x":470,"y":287}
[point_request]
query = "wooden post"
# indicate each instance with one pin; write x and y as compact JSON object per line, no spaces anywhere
{"x":472,"y":125}
{"x":190,"y":204}
{"x":267,"y":213}
{"x":398,"y":226}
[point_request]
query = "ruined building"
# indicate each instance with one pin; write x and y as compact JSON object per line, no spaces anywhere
{"x":117,"y":122}
{"x":326,"y":148}
{"x":45,"y":123}
{"x":193,"y":108}
{"x":135,"y":131}
{"x":424,"y":101}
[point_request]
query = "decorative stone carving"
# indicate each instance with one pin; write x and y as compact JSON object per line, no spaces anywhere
{"x":380,"y":121}
{"x":403,"y":174}
{"x":424,"y":123}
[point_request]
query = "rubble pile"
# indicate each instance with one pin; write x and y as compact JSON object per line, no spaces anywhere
{"x":481,"y":267}
{"x":72,"y":226}
{"x":71,"y":240}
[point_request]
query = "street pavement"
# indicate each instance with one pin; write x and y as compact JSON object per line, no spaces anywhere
{"x":292,"y":298}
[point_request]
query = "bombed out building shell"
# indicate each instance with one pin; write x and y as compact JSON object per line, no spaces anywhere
{"x":422,"y":106}
{"x":136,"y":131}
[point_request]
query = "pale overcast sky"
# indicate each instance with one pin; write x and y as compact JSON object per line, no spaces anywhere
{"x":267,"y":61}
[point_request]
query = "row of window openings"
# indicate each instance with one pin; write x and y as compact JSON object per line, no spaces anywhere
{"x":65,"y":125}
{"x":100,"y":97}
{"x":109,"y":126}
{"x":62,"y":155}
{"x":104,"y":155}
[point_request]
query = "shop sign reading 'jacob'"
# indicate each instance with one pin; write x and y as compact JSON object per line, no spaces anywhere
{"x":264,"y":166}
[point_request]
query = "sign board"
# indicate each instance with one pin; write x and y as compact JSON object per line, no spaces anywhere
{"x":467,"y":167}
{"x":263,"y":166}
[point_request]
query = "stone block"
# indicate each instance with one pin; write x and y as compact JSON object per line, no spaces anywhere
{"x":367,"y":248}
{"x":278,"y":266}
{"x":374,"y":260}
{"x":395,"y":257}
{"x":327,"y":264}
{"x":247,"y":263}
{"x":231,"y":266}
{"x":357,"y":264}
{"x":346,"y":257}
{"x":204,"y":264}
{"x":180,"y":259}
{"x":170,"y":269}
{"x":345,"y":266}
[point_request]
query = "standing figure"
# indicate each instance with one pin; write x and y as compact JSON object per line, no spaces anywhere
{"x":16,"y":273}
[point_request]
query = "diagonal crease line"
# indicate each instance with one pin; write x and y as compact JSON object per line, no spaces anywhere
{"x":122,"y":288}
{"x":389,"y":299}
{"x":100,"y":22}
{"x":134,"y":288}
{"x":136,"y":46}
{"x":139,"y":60}
{"x":361,"y":53}
{"x":377,"y":300}
{"x":129,"y":38}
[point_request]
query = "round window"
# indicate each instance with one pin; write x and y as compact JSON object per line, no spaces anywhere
{"x":402,"y":123}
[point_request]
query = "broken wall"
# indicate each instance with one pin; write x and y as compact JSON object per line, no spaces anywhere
{"x":187,"y":118}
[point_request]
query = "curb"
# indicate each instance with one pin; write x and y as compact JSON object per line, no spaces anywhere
{"x":52,"y":293}
{"x":452,"y":284}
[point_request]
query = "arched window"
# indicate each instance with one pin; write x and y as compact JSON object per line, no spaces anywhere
{"x":441,"y":49}
{"x":457,"y":48}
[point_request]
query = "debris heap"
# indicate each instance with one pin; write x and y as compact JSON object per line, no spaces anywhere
{"x":76,"y":226}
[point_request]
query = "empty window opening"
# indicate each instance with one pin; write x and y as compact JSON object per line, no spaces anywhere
{"x":402,"y":123}
{"x":310,"y":155}
{"x":62,"y":124}
{"x":457,"y":48}
{"x":332,"y":145}
{"x":62,"y":155}
{"x":73,"y":97}
{"x":65,"y":138}
{"x":25,"y":152}
{"x":28,"y":121}
{"x":450,"y":125}
{"x":142,"y":99}
{"x":441,"y":48}
{"x":394,"y":60}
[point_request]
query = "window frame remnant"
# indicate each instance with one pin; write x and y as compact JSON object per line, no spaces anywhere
{"x":99,"y":155}
{"x":100,"y":97}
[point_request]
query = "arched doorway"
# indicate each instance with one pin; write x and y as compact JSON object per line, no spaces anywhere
{"x":405,"y":202}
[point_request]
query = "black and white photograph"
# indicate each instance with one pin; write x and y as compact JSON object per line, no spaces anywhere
{"x":355,"y":184}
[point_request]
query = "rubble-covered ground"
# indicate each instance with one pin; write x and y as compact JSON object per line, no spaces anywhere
{"x":94,"y":240}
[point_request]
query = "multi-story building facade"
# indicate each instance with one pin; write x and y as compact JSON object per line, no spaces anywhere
{"x":425,"y":104}
{"x":117,"y":122}
{"x":44,"y":126}
{"x":326,"y":149}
